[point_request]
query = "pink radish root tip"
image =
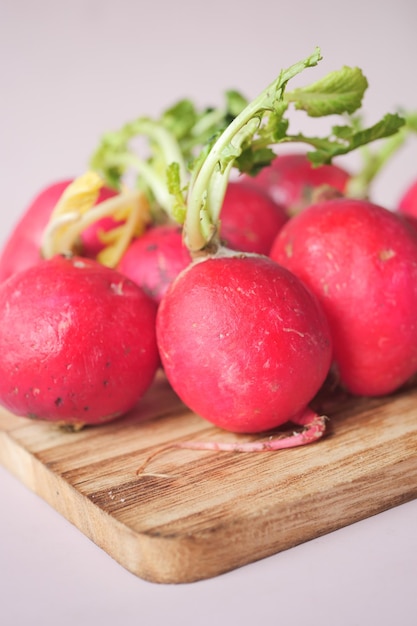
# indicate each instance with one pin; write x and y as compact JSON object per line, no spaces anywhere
{"x":313,"y":428}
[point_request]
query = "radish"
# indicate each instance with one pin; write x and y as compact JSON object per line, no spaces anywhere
{"x":242,"y":341}
{"x":250,"y":219}
{"x":93,"y":238}
{"x":360,"y":260}
{"x":291,"y":180}
{"x":407,"y":204}
{"x":22,"y":248}
{"x":77,"y":341}
{"x":153,"y":260}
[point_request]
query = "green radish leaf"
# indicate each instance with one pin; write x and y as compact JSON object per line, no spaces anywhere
{"x":193,"y":128}
{"x":397,"y":129}
{"x":346,"y":138}
{"x":235,"y":103}
{"x":253,"y":161}
{"x":387,"y":126}
{"x":339,"y":92}
{"x":180,"y":118}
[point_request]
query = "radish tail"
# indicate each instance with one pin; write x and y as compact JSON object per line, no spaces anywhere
{"x":313,"y":428}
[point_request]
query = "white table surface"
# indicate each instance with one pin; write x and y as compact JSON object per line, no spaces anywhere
{"x":50,"y":574}
{"x":71,"y":70}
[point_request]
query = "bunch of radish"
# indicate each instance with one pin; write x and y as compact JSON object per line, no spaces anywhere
{"x":217,"y":263}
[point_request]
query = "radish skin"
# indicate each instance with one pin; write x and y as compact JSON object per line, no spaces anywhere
{"x":250,"y":218}
{"x":291,"y":180}
{"x":155,"y":259}
{"x":407,"y":204}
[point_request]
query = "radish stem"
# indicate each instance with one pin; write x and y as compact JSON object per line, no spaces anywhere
{"x":208,"y":186}
{"x":113,"y":158}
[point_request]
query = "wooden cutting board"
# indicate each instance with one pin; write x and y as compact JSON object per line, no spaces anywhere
{"x":197,"y":514}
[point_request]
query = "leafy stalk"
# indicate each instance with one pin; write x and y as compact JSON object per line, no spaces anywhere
{"x":248,"y":140}
{"x":114,"y":157}
{"x":374,"y":160}
{"x":210,"y":178}
{"x":336,"y":93}
{"x":163,"y":175}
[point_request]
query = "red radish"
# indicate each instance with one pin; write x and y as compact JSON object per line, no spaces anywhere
{"x":236,"y":332}
{"x":153,"y":260}
{"x":291,"y":180}
{"x":361,"y":262}
{"x":77,"y":341}
{"x":410,"y":220}
{"x":250,"y":219}
{"x":408,"y":201}
{"x":22,"y":248}
{"x":243,"y":342}
{"x":91,"y":238}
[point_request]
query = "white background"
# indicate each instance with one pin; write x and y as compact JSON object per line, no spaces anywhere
{"x":70,"y":71}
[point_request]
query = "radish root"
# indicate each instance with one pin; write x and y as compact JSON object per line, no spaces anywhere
{"x":313,"y":428}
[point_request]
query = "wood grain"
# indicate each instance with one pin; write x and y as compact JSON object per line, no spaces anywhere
{"x":196,"y":514}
